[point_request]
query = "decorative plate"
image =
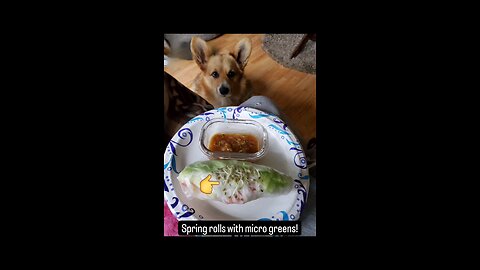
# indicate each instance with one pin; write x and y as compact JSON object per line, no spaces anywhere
{"x":284,"y":153}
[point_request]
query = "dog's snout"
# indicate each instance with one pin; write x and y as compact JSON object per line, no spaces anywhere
{"x":224,"y":90}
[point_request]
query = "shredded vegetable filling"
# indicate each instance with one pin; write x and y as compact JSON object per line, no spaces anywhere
{"x":237,"y":183}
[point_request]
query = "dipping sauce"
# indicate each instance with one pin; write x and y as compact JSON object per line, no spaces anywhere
{"x":240,"y":143}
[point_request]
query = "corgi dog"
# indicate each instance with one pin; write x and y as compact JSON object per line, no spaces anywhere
{"x":221,"y":81}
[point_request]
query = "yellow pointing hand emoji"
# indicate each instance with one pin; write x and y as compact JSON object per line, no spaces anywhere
{"x":206,"y":185}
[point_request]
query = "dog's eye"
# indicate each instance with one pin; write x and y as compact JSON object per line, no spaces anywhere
{"x":215,"y":74}
{"x":230,"y":74}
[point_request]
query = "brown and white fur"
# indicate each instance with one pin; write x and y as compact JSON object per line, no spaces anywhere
{"x":222,"y":81}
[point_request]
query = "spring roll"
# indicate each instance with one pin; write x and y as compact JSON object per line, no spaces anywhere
{"x":232,"y":181}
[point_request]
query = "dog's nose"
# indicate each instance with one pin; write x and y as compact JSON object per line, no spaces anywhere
{"x":224,"y":90}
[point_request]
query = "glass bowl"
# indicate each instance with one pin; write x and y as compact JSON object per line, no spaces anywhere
{"x":231,"y":126}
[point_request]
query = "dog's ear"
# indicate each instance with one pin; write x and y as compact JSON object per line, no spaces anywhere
{"x":200,"y":52}
{"x":242,"y":52}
